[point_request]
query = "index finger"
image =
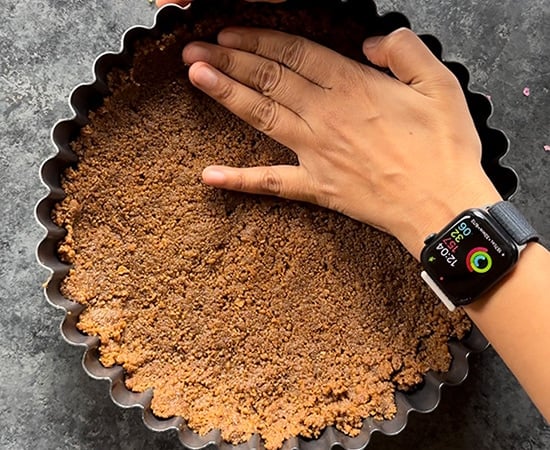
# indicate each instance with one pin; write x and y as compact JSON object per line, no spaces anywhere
{"x":309,"y":59}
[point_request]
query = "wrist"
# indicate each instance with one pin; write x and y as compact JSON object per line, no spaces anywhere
{"x":438,"y":210}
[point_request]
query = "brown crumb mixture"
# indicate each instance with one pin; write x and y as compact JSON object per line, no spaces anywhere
{"x":244,"y":313}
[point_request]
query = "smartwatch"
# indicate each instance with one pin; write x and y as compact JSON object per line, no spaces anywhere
{"x":474,"y":252}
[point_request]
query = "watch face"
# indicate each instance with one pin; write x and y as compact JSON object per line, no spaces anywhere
{"x":469,"y":256}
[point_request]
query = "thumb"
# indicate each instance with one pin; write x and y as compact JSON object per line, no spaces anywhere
{"x":408,"y":58}
{"x":282,"y":181}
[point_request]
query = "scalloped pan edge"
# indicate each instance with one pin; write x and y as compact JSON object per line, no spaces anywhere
{"x":86,"y":97}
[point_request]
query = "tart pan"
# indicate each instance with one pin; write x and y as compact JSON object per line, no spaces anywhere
{"x":87,"y":97}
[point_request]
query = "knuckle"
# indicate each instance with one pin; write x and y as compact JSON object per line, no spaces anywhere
{"x":265,"y":115}
{"x":226,"y":62}
{"x":268,"y":76}
{"x":225,"y":92}
{"x":239,"y":183}
{"x":398,"y":43}
{"x":399,"y":37}
{"x":253,"y":43}
{"x":294,"y":54}
{"x":271,"y":183}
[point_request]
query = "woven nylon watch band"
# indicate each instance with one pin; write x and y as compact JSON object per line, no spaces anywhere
{"x":515,"y":224}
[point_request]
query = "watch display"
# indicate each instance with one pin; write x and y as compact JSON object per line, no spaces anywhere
{"x":469,"y":256}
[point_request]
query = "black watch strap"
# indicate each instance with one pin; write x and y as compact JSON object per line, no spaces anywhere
{"x":513,"y":222}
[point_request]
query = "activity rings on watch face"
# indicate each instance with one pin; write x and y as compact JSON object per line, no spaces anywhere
{"x":479,"y":260}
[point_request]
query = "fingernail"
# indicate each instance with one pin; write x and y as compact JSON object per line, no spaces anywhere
{"x":213,"y":176}
{"x":205,"y":77}
{"x":399,"y":30}
{"x":229,"y":39}
{"x":196,"y":52}
{"x":372,"y":41}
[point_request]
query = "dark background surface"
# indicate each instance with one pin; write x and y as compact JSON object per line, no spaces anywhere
{"x":48,"y":46}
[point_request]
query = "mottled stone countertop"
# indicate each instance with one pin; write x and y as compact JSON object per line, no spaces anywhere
{"x":48,"y":46}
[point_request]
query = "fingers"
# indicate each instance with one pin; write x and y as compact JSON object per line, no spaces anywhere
{"x":264,"y":75}
{"x":186,"y":2}
{"x":176,"y":2}
{"x":409,"y":60}
{"x":282,"y":181}
{"x":263,"y":113}
{"x":310,"y":60}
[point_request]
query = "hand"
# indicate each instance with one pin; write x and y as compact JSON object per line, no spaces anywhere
{"x":400,"y":154}
{"x":186,"y":2}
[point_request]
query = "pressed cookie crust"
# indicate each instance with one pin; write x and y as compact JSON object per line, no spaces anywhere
{"x":243,"y":313}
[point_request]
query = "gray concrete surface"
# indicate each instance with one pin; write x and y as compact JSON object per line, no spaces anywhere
{"x":48,"y":46}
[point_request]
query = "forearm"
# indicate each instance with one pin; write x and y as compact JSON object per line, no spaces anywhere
{"x":515,"y":315}
{"x":515,"y":318}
